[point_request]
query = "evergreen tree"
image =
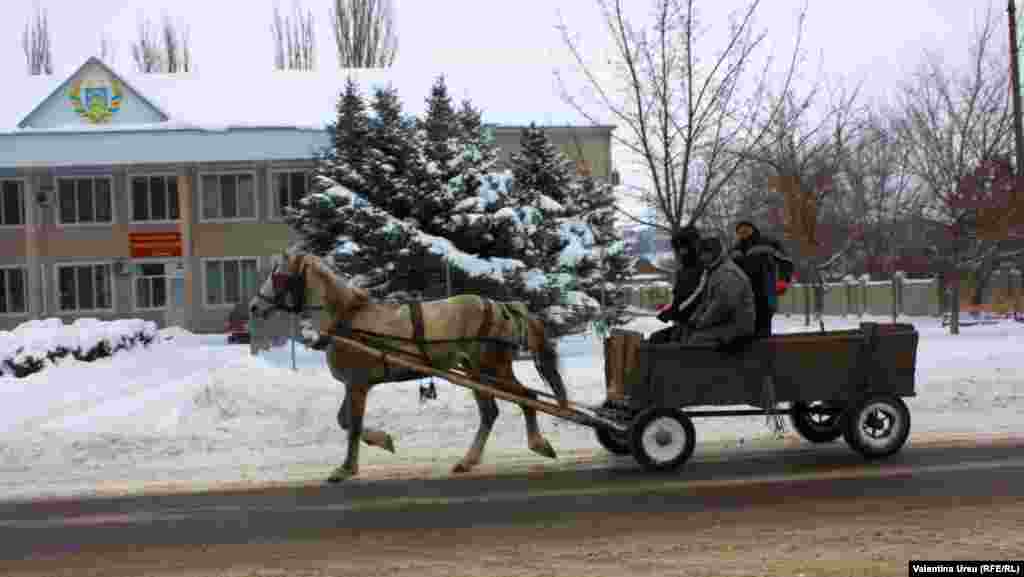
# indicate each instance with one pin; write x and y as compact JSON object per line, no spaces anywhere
{"x":596,"y":200}
{"x":542,"y":177}
{"x":319,"y":223}
{"x":395,"y":197}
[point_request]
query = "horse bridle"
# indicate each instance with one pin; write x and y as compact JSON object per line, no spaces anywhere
{"x":289,"y":291}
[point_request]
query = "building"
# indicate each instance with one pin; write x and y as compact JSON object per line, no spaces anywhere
{"x":159,"y":196}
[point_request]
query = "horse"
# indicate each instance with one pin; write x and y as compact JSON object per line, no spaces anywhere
{"x":468,"y":332}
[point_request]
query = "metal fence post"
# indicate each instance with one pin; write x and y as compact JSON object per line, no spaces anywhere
{"x":295,"y":335}
{"x":897,"y":294}
{"x":864,"y":278}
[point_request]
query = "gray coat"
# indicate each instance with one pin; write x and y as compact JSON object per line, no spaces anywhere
{"x":726,"y":311}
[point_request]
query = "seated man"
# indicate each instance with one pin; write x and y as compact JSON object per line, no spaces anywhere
{"x":766,"y":264}
{"x":687,"y":288}
{"x":725,"y":315}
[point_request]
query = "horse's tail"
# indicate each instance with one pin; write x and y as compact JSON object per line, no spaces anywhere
{"x":547,"y":361}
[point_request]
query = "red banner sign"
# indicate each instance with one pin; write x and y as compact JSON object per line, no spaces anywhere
{"x":155,"y":244}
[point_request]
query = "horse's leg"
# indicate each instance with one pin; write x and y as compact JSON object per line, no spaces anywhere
{"x":546,"y":360}
{"x":358,"y":388}
{"x":535,"y":440}
{"x":373,"y":437}
{"x":488,"y":414}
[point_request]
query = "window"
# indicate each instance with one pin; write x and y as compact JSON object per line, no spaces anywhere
{"x":228,"y":196}
{"x":230,"y":281}
{"x":84,"y":200}
{"x":12,"y":203}
{"x":154,"y":198}
{"x":151,"y":286}
{"x":84,"y":287}
{"x":289,"y":187}
{"x":12,"y":291}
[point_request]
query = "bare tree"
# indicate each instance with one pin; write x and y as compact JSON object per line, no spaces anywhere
{"x":684,"y":118}
{"x":162,"y":50}
{"x":107,"y":51}
{"x":35,"y":41}
{"x":294,"y":42}
{"x":805,"y":158}
{"x":882,"y":193}
{"x":951,"y":122}
{"x":365,"y":33}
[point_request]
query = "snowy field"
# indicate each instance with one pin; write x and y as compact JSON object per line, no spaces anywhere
{"x":194,"y":411}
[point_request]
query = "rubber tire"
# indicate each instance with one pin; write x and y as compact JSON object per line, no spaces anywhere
{"x":813,"y":432}
{"x":615,"y":443}
{"x":854,"y":436}
{"x":636,"y":435}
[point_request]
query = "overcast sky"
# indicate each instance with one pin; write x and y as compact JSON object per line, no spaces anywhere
{"x":873,"y":41}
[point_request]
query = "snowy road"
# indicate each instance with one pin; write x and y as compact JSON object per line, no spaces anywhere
{"x":393,"y":527}
{"x":196,"y":413}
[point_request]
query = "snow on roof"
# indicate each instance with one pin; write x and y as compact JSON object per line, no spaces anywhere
{"x":510,"y":96}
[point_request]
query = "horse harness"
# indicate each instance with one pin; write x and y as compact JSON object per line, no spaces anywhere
{"x":416,"y":313}
{"x":290,"y":293}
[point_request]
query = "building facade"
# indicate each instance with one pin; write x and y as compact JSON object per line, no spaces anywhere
{"x":111,"y":206}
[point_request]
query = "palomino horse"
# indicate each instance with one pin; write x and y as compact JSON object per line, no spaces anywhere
{"x":465,"y":332}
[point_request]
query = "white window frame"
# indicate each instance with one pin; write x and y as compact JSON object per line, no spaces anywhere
{"x":56,"y":288}
{"x":24,"y":204}
{"x":202,"y":266}
{"x":168,"y":263}
{"x":113,"y":203}
{"x":273,"y":209}
{"x":25,"y":298}
{"x":131,"y":196}
{"x":201,"y":198}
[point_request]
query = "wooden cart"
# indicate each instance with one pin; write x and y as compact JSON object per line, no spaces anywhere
{"x":835,"y":384}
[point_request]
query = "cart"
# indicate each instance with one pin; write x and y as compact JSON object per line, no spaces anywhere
{"x":846,"y":384}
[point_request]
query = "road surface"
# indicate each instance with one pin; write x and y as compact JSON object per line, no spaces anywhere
{"x":810,"y":510}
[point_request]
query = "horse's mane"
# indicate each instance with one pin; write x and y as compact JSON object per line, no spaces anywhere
{"x":336,"y":293}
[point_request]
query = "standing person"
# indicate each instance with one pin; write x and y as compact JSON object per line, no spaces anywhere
{"x":767,"y":267}
{"x":725,"y":315}
{"x":687,"y":288}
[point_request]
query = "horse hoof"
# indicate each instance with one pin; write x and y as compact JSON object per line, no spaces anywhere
{"x":340,"y":474}
{"x":545,"y":450}
{"x":461,"y":468}
{"x":389,"y":444}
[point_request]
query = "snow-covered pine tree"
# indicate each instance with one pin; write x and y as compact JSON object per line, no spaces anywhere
{"x":542,"y":179}
{"x":596,"y":201}
{"x":320,"y":223}
{"x":385,"y":214}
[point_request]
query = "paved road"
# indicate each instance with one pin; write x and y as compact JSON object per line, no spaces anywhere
{"x":33,"y":529}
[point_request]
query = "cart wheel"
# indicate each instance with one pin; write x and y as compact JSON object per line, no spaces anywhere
{"x":662,"y":439}
{"x":814,"y":425}
{"x":616,"y":443}
{"x":877,"y":426}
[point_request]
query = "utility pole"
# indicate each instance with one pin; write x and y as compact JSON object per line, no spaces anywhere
{"x":1015,"y":87}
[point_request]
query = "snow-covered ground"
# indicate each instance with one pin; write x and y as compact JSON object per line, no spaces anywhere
{"x":195,"y":410}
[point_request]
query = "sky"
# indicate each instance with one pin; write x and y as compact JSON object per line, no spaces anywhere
{"x":874,"y":42}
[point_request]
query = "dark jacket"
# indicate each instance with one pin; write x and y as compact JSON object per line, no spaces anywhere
{"x":726,"y":309}
{"x":756,"y":256}
{"x":687,"y":288}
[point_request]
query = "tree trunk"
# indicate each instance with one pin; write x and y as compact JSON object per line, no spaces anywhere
{"x":982,"y":278}
{"x":954,"y":315}
{"x":808,"y":287}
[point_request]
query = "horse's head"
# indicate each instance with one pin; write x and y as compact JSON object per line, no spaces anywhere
{"x":285,"y":288}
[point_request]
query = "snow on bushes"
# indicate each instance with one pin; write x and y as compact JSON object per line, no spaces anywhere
{"x":28,"y":348}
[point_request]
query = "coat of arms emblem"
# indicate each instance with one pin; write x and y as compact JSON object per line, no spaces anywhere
{"x":94,"y":101}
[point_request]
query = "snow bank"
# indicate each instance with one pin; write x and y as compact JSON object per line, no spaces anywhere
{"x":31,"y":345}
